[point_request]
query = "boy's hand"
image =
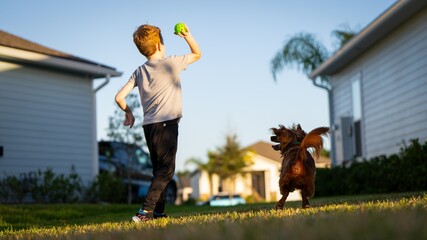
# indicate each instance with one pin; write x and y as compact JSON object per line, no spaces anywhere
{"x":130,"y":119}
{"x":185,"y":33}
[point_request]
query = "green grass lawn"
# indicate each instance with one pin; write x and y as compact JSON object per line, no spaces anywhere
{"x":386,"y":216}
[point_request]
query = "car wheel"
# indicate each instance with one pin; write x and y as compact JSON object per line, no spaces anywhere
{"x":170,"y":193}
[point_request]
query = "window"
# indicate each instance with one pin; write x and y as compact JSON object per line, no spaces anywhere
{"x":357,"y":114}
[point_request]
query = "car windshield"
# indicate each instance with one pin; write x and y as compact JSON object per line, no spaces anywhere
{"x":143,"y":157}
{"x":105,"y":150}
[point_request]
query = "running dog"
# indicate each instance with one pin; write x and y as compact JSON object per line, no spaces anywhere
{"x":298,"y":170}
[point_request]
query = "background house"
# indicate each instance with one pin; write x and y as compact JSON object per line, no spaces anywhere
{"x":184,"y":190}
{"x":47,"y":109}
{"x":260,"y":181}
{"x":378,"y":85}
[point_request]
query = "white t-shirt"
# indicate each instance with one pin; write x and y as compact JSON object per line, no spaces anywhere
{"x":159,"y":87}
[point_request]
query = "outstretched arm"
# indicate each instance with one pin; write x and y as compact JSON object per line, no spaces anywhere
{"x":194,"y":47}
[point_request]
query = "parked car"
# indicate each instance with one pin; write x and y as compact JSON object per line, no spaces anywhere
{"x":225,"y":199}
{"x":132,"y":164}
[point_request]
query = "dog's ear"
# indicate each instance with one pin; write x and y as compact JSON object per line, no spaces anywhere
{"x":286,"y":137}
{"x":283,"y":135}
{"x":300,"y":133}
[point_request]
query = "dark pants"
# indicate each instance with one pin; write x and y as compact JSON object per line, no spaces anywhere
{"x":162,"y":142}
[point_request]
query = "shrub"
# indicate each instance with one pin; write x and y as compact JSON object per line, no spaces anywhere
{"x":41,"y":187}
{"x":48,"y":187}
{"x":11,"y":190}
{"x":106,"y":188}
{"x":405,"y":171}
{"x":51,"y":188}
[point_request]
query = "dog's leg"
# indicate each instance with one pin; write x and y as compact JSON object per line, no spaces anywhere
{"x":305,"y":203}
{"x":310,"y":188}
{"x":281,"y":203}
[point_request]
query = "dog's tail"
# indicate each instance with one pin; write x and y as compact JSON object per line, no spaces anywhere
{"x":313,"y":140}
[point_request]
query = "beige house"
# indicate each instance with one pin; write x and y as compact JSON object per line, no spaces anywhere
{"x":259,"y":182}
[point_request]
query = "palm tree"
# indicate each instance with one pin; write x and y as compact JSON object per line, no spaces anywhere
{"x":306,"y":53}
{"x":229,"y":160}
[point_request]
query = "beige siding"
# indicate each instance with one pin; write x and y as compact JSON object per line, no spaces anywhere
{"x":46,"y":120}
{"x":394,"y":89}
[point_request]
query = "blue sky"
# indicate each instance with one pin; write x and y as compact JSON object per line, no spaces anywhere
{"x":230,"y":90}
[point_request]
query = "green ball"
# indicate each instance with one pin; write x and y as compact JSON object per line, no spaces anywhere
{"x":180,"y":28}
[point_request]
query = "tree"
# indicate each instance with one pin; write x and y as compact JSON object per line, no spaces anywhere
{"x":131,"y":136}
{"x":306,"y":53}
{"x":229,"y":160}
{"x":226,"y":161}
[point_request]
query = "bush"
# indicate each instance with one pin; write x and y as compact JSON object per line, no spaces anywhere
{"x":51,"y":188}
{"x":11,"y":190}
{"x":405,"y":171}
{"x":48,"y":187}
{"x":106,"y":188}
{"x":40,"y":187}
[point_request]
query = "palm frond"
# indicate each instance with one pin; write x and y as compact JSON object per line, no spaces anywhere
{"x":303,"y":51}
{"x":343,"y":36}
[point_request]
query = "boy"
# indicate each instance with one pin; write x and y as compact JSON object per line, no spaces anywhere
{"x":159,"y":86}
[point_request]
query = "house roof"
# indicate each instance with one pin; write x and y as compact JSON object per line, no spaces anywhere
{"x":29,"y":51}
{"x":265,"y":149}
{"x":389,"y":20}
{"x":184,"y":180}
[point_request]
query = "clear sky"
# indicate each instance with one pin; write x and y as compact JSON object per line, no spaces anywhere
{"x":230,"y":89}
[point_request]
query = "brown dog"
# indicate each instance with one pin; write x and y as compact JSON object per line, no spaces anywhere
{"x":298,"y":169}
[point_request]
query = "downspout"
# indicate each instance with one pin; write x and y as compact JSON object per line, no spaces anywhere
{"x":107,"y":80}
{"x":331,"y":117}
{"x":95,"y":152}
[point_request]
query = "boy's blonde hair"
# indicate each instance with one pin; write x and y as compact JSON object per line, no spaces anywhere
{"x":146,"y":38}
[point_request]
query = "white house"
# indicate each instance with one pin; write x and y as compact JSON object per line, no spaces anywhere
{"x":47,"y":109}
{"x":378,"y":85}
{"x":260,"y":181}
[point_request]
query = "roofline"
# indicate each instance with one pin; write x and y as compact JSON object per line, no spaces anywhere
{"x":96,"y":71}
{"x":279,"y":161}
{"x":371,"y":34}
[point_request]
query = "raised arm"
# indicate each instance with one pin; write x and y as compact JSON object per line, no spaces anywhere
{"x":194,"y":47}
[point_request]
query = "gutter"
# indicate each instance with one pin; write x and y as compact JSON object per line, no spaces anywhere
{"x":107,"y":80}
{"x":96,"y":71}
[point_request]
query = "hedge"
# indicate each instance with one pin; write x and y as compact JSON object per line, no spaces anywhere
{"x":405,"y":171}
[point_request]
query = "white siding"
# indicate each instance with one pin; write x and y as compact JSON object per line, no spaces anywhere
{"x":46,"y":121}
{"x":394,"y":89}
